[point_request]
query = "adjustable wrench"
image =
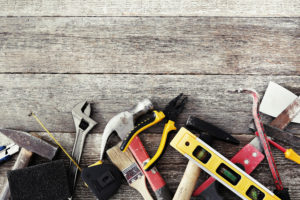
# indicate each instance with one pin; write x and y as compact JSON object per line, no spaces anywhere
{"x":83,"y":124}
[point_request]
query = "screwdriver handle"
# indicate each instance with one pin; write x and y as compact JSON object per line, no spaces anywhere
{"x":289,"y":153}
{"x":292,"y":155}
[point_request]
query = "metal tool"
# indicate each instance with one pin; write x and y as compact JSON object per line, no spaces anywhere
{"x":287,"y":115}
{"x":170,"y":114}
{"x":249,"y":157}
{"x":276,"y":99}
{"x":83,"y":124}
{"x":280,"y":190}
{"x":30,"y":144}
{"x":208,"y":133}
{"x":289,"y":153}
{"x":281,"y":135}
{"x":6,"y":152}
{"x":122,"y":124}
{"x":219,"y":167}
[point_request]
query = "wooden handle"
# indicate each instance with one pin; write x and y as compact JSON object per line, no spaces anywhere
{"x":21,"y":162}
{"x":188,"y":182}
{"x":140,"y":185}
{"x":126,"y":163}
{"x":154,"y":178}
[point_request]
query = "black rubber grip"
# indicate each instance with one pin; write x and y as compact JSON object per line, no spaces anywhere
{"x":211,"y":193}
{"x":137,"y":128}
{"x":163,"y":193}
{"x":164,"y":150}
{"x":283,"y":194}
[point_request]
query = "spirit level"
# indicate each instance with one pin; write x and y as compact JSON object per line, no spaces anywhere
{"x":219,"y":167}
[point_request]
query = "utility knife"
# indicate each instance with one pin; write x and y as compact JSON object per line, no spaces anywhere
{"x":6,"y":152}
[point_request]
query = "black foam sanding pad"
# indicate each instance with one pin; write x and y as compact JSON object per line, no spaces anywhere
{"x":41,"y":182}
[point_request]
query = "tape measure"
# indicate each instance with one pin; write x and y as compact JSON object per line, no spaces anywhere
{"x":219,"y":167}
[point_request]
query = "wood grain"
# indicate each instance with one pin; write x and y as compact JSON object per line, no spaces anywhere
{"x":52,"y":97}
{"x":171,"y":158}
{"x":54,"y":54}
{"x":150,"y":45}
{"x":253,"y":8}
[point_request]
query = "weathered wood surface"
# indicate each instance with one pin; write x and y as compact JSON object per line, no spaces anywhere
{"x":166,"y":165}
{"x":253,"y":8}
{"x":173,"y":45}
{"x":55,"y":54}
{"x":52,"y":97}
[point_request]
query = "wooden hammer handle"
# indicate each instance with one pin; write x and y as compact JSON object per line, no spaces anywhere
{"x":21,"y":162}
{"x":188,"y":182}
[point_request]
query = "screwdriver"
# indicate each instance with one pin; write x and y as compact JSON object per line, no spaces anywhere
{"x":289,"y":153}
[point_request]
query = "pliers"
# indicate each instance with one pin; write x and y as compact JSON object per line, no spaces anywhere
{"x":170,"y":114}
{"x":6,"y":152}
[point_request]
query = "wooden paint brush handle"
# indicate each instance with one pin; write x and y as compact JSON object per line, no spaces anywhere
{"x":154,"y":178}
{"x":140,"y":185}
{"x":21,"y":162}
{"x":188,"y":182}
{"x":130,"y":169}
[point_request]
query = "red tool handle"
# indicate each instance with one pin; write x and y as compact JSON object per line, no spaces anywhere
{"x":248,"y":156}
{"x":274,"y":144}
{"x":154,"y":178}
{"x":264,"y":140}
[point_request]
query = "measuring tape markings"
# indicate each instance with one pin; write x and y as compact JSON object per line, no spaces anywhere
{"x":220,"y":167}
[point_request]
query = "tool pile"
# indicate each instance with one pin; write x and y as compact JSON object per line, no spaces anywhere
{"x":129,"y":159}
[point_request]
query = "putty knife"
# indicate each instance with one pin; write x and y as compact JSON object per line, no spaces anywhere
{"x":276,"y":100}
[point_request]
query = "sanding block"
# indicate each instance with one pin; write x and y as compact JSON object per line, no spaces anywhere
{"x":104,"y":180}
{"x":41,"y":182}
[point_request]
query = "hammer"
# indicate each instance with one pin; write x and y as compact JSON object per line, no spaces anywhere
{"x":122,"y":124}
{"x":192,"y":171}
{"x":30,"y":144}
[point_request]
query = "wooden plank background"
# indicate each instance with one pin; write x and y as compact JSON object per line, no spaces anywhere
{"x":55,"y":54}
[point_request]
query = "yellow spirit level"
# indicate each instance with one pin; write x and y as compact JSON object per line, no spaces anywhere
{"x":219,"y":167}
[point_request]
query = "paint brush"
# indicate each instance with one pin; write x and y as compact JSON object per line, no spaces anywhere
{"x":131,"y":171}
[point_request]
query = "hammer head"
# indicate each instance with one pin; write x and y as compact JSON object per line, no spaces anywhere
{"x":213,"y":131}
{"x":123,"y":122}
{"x":31,"y":143}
